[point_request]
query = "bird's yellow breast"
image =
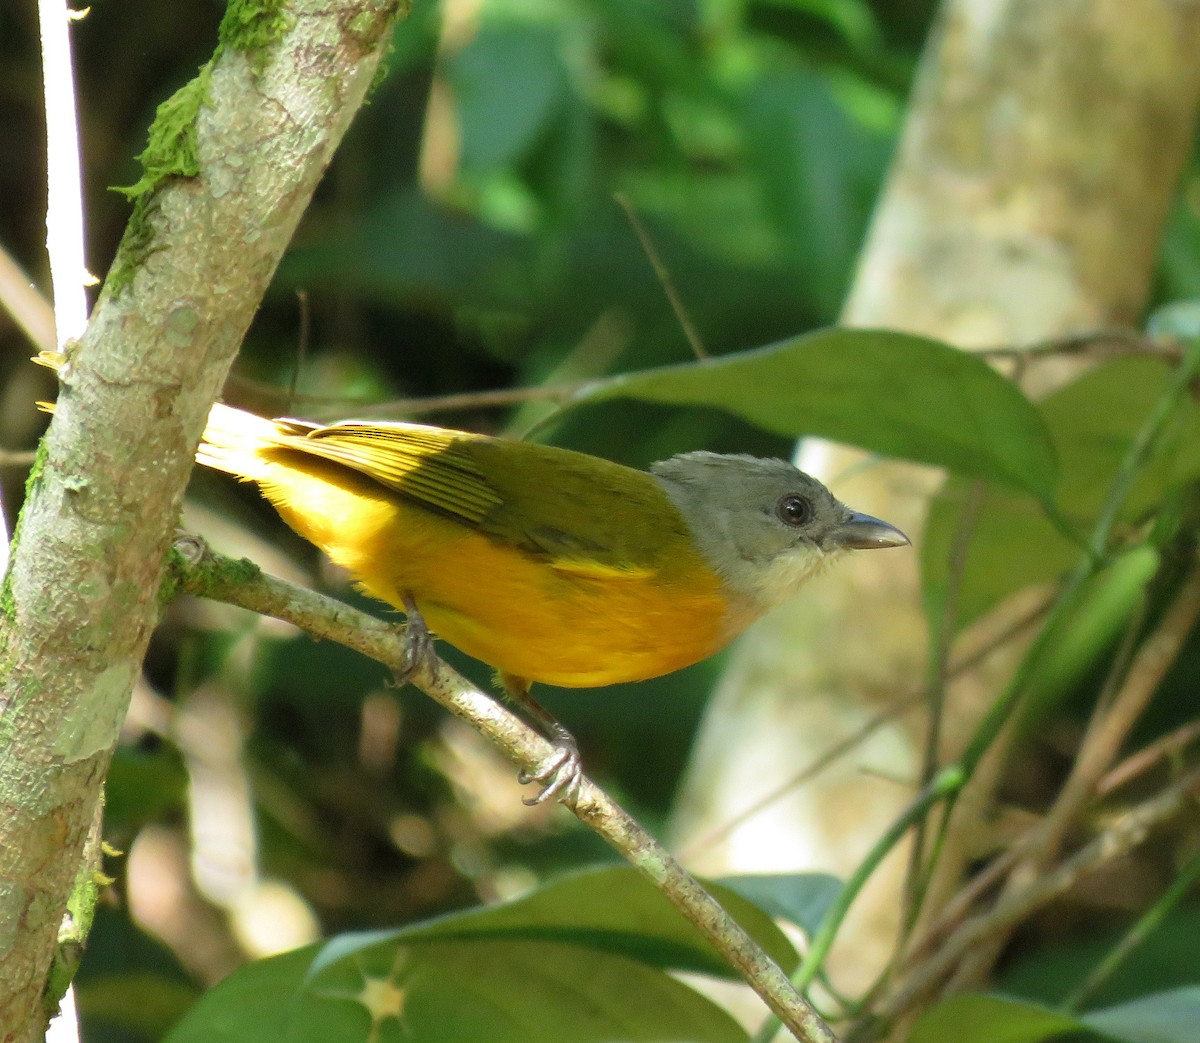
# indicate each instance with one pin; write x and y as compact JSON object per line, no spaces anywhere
{"x":570,"y":621}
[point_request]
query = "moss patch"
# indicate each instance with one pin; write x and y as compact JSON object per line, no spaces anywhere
{"x":171,"y":151}
{"x":249,"y":26}
{"x":8,"y":613}
{"x":174,"y":569}
{"x":253,"y":27}
{"x":231,"y":572}
{"x":8,"y":605}
{"x":171,"y":143}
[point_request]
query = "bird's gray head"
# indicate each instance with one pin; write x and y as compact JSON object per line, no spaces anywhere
{"x":765,"y":526}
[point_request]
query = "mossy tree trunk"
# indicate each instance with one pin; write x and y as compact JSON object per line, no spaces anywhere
{"x":233,"y":161}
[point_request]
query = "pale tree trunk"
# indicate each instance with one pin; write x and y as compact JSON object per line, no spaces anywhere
{"x":81,"y":595}
{"x":1040,"y":156}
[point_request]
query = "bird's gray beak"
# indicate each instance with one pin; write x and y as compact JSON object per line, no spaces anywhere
{"x":862,"y":532}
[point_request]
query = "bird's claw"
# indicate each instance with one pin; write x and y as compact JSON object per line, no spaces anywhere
{"x":418,"y":645}
{"x":560,"y":773}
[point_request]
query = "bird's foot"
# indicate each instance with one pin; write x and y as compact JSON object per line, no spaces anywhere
{"x":418,"y":644}
{"x":560,"y":773}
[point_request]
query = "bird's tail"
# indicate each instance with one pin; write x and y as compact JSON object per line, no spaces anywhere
{"x":231,"y":440}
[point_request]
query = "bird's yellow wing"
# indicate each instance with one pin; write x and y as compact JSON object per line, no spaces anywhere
{"x":580,"y":514}
{"x":428,"y":464}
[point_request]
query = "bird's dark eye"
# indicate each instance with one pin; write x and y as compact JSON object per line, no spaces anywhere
{"x":794,"y":510}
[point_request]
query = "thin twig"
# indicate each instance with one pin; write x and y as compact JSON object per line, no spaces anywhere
{"x":410,"y":406}
{"x":17,"y":457}
{"x":920,"y":868}
{"x":237,"y":582}
{"x":1127,"y":833}
{"x":973,"y":963}
{"x":1139,"y":763}
{"x":301,"y":346}
{"x":818,"y":764}
{"x":960,"y":903}
{"x":1107,"y":732}
{"x":843,"y":746}
{"x":990,"y":877}
{"x":1138,"y":933}
{"x":1110,"y":725}
{"x":1098,"y":343}
{"x":664,"y":276}
{"x":21,"y":299}
{"x":946,"y":782}
{"x":591,"y":355}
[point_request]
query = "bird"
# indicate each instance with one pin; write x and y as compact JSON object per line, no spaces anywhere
{"x":549,"y":565}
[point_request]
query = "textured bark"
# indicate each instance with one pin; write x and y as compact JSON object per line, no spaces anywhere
{"x":81,"y":596}
{"x":1037,"y":165}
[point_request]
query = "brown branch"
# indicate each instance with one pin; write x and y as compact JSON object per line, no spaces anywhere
{"x":1107,"y":731}
{"x":21,"y":299}
{"x":1143,"y":760}
{"x":893,"y":710}
{"x":1110,"y":725}
{"x":1128,"y":832}
{"x":409,"y":406}
{"x":1096,"y":344}
{"x":17,"y":457}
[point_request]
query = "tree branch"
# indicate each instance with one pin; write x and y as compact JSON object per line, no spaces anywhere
{"x":79,"y":600}
{"x":1128,"y":832}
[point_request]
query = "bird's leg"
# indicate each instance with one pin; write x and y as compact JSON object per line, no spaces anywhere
{"x":560,"y":772}
{"x":418,"y":642}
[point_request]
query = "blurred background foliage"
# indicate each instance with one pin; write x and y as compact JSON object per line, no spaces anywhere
{"x":468,"y":237}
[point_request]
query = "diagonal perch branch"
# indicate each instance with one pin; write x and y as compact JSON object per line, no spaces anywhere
{"x":200,"y":572}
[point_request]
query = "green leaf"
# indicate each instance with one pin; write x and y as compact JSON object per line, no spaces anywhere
{"x":139,"y":1002}
{"x":800,"y":898}
{"x":588,"y":950}
{"x":889,"y":393}
{"x":502,"y":115}
{"x":819,"y":172}
{"x":990,"y":1019}
{"x":1095,"y":418}
{"x":1098,"y":616}
{"x":1165,"y":960}
{"x":611,"y":909}
{"x":254,"y":1003}
{"x":1011,"y":546}
{"x":1093,"y":422}
{"x":1167,"y":1017}
{"x":502,"y":991}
